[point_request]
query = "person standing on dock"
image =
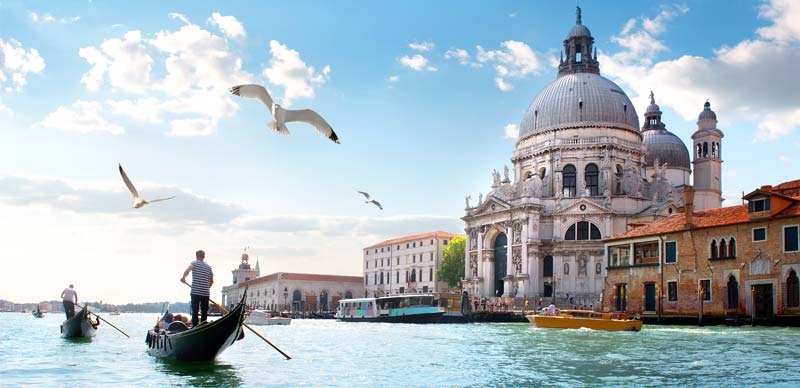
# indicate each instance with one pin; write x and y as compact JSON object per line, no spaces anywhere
{"x":69,"y":297}
{"x":202,"y":280}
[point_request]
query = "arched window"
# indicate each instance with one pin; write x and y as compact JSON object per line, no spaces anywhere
{"x":591,"y":174}
{"x":723,"y":248}
{"x":548,"y":266}
{"x":413,"y":275}
{"x":792,"y":290}
{"x":570,"y":183}
{"x":542,"y":172}
{"x":733,"y":293}
{"x":732,"y":248}
{"x":699,"y":151}
{"x":714,"y":252}
{"x":705,"y":150}
{"x":297,"y":296}
{"x":582,"y":230}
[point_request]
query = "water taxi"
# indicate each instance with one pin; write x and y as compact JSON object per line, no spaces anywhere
{"x":261,"y":317}
{"x":576,"y":319}
{"x":411,"y":308}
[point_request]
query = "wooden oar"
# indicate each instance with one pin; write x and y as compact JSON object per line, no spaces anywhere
{"x":101,"y":318}
{"x":224,"y":310}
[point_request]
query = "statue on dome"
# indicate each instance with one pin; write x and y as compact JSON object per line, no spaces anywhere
{"x":495,"y":178}
{"x":505,"y":174}
{"x":467,"y":200}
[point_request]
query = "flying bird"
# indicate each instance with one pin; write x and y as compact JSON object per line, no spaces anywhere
{"x":137,"y":202}
{"x":370,"y":200}
{"x":282,"y":116}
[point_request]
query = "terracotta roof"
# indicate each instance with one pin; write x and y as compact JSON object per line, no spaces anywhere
{"x":304,"y":276}
{"x":703,"y":219}
{"x":422,"y":236}
{"x":795,"y":184}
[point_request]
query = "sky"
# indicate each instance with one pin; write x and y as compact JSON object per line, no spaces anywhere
{"x":425,"y":97}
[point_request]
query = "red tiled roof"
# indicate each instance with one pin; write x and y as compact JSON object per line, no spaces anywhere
{"x":703,"y":219}
{"x":422,"y":236}
{"x":795,"y":184}
{"x":306,"y":277}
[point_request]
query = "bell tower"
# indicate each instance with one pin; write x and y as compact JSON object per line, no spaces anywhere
{"x":244,"y":272}
{"x":707,"y":160}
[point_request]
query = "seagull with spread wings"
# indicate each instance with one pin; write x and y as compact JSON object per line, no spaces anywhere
{"x":282,"y":116}
{"x":137,"y":202}
{"x":371,"y":200}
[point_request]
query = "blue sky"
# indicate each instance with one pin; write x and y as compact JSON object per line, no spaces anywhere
{"x":421,"y":94}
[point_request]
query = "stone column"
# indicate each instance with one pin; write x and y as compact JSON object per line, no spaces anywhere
{"x":524,"y":248}
{"x":481,"y":266}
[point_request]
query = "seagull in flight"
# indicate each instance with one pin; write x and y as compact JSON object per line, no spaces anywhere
{"x":282,"y":116}
{"x":370,"y":200}
{"x":137,"y":202}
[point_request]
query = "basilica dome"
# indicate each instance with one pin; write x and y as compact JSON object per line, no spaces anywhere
{"x":580,"y":99}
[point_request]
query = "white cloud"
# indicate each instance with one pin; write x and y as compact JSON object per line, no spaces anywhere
{"x":784,"y":15}
{"x":514,"y":60}
{"x":192,"y":127}
{"x":49,"y":19}
{"x":16,"y":63}
{"x":6,"y":110}
{"x":513,"y":14}
{"x":462,"y":56}
{"x":417,"y":62}
{"x":286,"y":69}
{"x":124,"y":62}
{"x":424,"y":46}
{"x":511,"y":131}
{"x":81,"y":117}
{"x":785,"y":159}
{"x":393,"y":78}
{"x":148,"y":109}
{"x":231,"y":27}
{"x":753,"y":80}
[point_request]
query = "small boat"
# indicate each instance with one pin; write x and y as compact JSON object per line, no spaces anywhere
{"x":38,"y":314}
{"x":79,"y":326}
{"x":114,"y":313}
{"x":576,"y":319}
{"x":261,"y":317}
{"x":411,"y":308}
{"x":203,"y":342}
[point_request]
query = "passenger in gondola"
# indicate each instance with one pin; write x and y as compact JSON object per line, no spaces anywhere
{"x":69,"y":298}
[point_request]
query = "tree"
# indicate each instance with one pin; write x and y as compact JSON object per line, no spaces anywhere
{"x":452,"y":268}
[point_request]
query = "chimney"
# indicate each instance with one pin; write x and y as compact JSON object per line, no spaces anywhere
{"x":766,"y":188}
{"x":688,"y":204}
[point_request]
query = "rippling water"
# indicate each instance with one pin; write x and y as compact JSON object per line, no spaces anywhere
{"x":330,"y":353}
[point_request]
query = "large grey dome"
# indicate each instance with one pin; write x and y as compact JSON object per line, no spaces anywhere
{"x":666,"y":147}
{"x":579,"y":100}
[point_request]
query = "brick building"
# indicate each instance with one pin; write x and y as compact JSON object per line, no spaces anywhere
{"x":740,"y":260}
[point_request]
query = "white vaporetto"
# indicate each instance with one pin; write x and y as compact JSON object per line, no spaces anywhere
{"x":282,"y":116}
{"x":137,"y":202}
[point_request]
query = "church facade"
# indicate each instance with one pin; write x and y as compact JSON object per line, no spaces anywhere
{"x":583,"y":170}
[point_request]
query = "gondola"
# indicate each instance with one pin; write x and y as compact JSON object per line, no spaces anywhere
{"x":79,"y":326}
{"x":38,"y":314}
{"x":201,"y":343}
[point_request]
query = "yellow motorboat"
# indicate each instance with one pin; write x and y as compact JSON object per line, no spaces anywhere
{"x":576,"y":319}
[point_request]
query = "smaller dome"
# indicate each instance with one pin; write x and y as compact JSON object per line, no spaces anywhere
{"x":707,"y":113}
{"x":666,"y":147}
{"x":579,"y":30}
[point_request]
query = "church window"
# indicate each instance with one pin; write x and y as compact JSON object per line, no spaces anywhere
{"x":582,"y":230}
{"x":792,"y":290}
{"x":570,"y":182}
{"x":591,"y":174}
{"x":714,"y":251}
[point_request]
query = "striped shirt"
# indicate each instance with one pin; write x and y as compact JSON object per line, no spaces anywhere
{"x":201,"y":278}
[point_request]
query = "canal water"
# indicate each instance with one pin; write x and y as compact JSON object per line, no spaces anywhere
{"x":330,"y":353}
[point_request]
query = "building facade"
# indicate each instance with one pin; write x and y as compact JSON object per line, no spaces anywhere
{"x":406,"y":264}
{"x":734,"y":261}
{"x":583,"y":169}
{"x":297,"y":292}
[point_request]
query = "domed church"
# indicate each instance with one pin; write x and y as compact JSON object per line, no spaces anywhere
{"x":583,"y":170}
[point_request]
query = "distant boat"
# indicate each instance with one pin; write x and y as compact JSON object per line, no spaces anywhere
{"x":201,"y":343}
{"x":576,"y":319}
{"x":409,"y":308}
{"x":261,"y":317}
{"x":80,"y":325}
{"x":38,"y":314}
{"x":114,"y":313}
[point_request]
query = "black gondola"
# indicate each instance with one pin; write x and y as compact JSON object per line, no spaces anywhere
{"x":202,"y":343}
{"x":38,"y":314}
{"x":79,"y":326}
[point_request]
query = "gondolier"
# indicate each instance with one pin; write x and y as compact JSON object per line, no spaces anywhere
{"x":69,"y":297}
{"x":202,"y":280}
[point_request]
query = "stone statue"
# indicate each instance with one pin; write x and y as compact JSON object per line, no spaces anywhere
{"x":505,"y":174}
{"x":467,"y":200}
{"x":586,"y":192}
{"x":480,"y":199}
{"x":533,"y":186}
{"x":652,"y":98}
{"x":606,"y":157}
{"x":517,"y":233}
{"x":495,"y":178}
{"x":473,"y":265}
{"x":582,"y":265}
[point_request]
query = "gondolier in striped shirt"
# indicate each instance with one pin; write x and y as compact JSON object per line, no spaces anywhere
{"x":202,"y":280}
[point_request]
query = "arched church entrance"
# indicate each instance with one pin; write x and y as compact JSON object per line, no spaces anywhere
{"x":500,"y":262}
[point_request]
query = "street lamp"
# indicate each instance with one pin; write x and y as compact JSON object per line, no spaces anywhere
{"x":285,"y":296}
